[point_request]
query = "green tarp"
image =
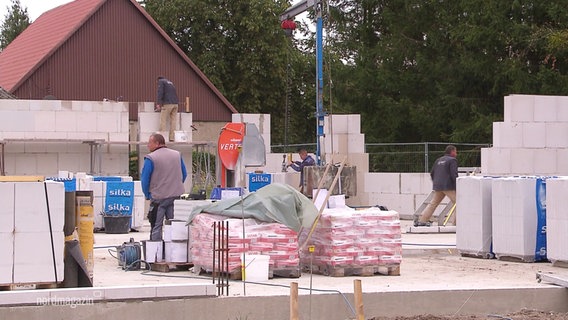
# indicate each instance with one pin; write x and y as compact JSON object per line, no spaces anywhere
{"x":273,"y":203}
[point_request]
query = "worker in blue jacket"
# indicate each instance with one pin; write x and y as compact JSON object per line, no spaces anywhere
{"x":162,"y":181}
{"x":307,"y":161}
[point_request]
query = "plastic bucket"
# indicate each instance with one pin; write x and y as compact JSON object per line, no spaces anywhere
{"x":117,"y":224}
{"x":256,"y":267}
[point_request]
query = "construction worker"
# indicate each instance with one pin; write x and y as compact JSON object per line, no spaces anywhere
{"x":167,"y":103}
{"x":444,"y":174}
{"x":162,"y":180}
{"x":307,"y":161}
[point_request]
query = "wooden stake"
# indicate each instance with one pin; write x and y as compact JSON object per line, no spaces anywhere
{"x":294,"y":301}
{"x":358,"y":293}
{"x":187,"y":108}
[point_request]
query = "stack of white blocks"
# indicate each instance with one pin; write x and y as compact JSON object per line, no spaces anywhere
{"x":401,"y":192}
{"x":557,"y":219}
{"x":63,"y":120}
{"x":31,"y":236}
{"x":532,"y":139}
{"x":514,"y":218}
{"x":474,"y":204}
{"x":176,"y":242}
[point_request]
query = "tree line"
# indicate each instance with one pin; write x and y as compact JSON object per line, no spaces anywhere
{"x":416,"y":70}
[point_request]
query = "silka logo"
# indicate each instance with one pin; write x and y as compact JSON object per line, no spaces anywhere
{"x":117,"y":207}
{"x":259,"y":179}
{"x":229,"y":146}
{"x":120,"y":193}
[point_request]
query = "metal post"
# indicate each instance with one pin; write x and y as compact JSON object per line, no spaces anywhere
{"x":2,"y":168}
{"x":319,"y":84}
{"x":426,"y":157}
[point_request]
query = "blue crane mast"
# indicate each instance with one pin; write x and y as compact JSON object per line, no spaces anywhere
{"x":293,"y":11}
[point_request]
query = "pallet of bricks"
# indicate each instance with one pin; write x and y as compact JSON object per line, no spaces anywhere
{"x":275,"y":240}
{"x":349,"y":242}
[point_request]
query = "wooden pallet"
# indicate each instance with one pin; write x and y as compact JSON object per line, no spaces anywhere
{"x":170,"y":266}
{"x":478,"y":255}
{"x":362,"y":271}
{"x":237,"y":273}
{"x":286,"y":273}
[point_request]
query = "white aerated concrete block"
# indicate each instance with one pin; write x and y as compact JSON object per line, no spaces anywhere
{"x":107,"y":121}
{"x":519,"y":108}
{"x":562,"y":110}
{"x":45,"y":105}
{"x":355,"y":143}
{"x":495,"y":161}
{"x":557,"y":219}
{"x":562,"y":161}
{"x":48,"y":164}
{"x":66,"y":121}
{"x":7,"y":191}
{"x":545,"y":108}
{"x":6,"y":256}
{"x":31,"y":206}
{"x":474,"y":206}
{"x":354,"y":123}
{"x":336,"y":124}
{"x":557,"y":135}
{"x":15,"y":105}
{"x":534,"y":135}
{"x":401,"y":203}
{"x":16,"y":121}
{"x":87,"y":121}
{"x":545,"y":162}
{"x":148,"y":123}
{"x":26,"y":164}
{"x":514,"y":218}
{"x":415,"y":183}
{"x":382,"y":182}
{"x":38,"y":257}
{"x":44,"y":121}
{"x":522,"y":161}
{"x":336,"y":143}
{"x":507,"y":134}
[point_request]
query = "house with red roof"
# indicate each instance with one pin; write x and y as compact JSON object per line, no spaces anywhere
{"x":97,"y":50}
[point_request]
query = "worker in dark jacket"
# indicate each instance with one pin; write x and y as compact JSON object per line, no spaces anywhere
{"x":162,"y":180}
{"x":444,"y":174}
{"x":307,"y":161}
{"x":167,"y":103}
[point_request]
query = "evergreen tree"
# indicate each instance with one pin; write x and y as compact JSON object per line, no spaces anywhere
{"x":15,"y":22}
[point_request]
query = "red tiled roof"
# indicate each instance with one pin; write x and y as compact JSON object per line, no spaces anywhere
{"x":41,"y":39}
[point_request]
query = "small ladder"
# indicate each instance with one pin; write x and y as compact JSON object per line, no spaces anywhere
{"x":444,"y":215}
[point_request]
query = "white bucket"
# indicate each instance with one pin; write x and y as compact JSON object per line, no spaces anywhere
{"x":153,"y":251}
{"x":256,"y":267}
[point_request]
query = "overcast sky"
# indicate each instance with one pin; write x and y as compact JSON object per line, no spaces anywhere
{"x":35,"y":7}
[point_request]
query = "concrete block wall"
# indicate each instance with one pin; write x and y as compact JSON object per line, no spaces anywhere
{"x":532,"y":139}
{"x":60,"y":127}
{"x":402,"y":192}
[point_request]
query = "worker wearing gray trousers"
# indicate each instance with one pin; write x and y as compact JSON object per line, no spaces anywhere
{"x":444,"y":174}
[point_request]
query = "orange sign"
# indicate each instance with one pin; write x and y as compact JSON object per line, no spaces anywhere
{"x":229,"y":144}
